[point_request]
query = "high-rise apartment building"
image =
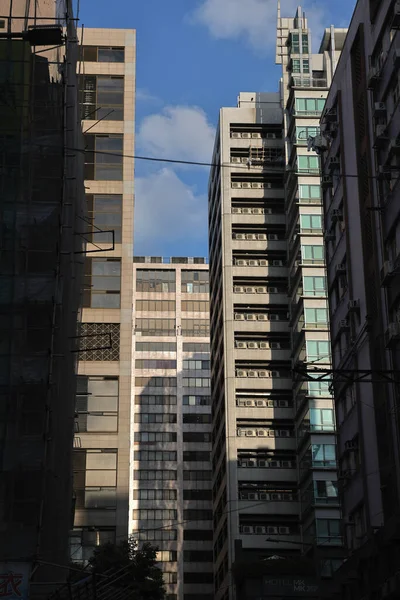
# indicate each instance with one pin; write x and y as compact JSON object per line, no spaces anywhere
{"x":41,"y":212}
{"x":361,"y":128}
{"x":170,"y":502}
{"x":277,"y":496}
{"x":306,"y":78}
{"x":101,"y":456}
{"x":254,"y":445}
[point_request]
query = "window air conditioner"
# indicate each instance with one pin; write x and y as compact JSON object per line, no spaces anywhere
{"x":235,"y":159}
{"x":263,"y":263}
{"x":246,"y":135}
{"x":261,"y":290}
{"x":262,"y":317}
{"x":261,"y":432}
{"x":256,"y":135}
{"x":236,"y":210}
{"x":259,"y":529}
{"x":246,"y":185}
{"x":252,"y":345}
{"x":257,"y":186}
{"x":236,"y":185}
{"x":260,"y":403}
{"x":241,"y":263}
{"x":261,"y":237}
{"x":263,"y":374}
{"x":250,"y":433}
{"x":253,"y":263}
{"x":264,"y":345}
{"x":273,"y":236}
{"x":241,"y":344}
{"x":247,"y":529}
{"x":239,"y":317}
{"x":252,"y":373}
{"x":250,"y":290}
{"x":272,"y":530}
{"x":241,"y":373}
{"x":258,"y":211}
{"x":251,"y":317}
{"x":246,"y":211}
{"x":236,"y":135}
{"x":240,"y":236}
{"x":251,"y":236}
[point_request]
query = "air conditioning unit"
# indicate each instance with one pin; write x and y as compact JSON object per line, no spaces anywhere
{"x":251,"y":463}
{"x":246,"y":211}
{"x":272,"y":290}
{"x":252,"y":345}
{"x":251,"y":236}
{"x":251,"y":317}
{"x":250,"y":433}
{"x":270,"y":136}
{"x":373,"y":77}
{"x":353,"y":305}
{"x":236,"y":211}
{"x":326,"y":181}
{"x":258,"y":211}
{"x":268,"y":185}
{"x":246,"y":185}
{"x":236,"y":135}
{"x":277,"y":263}
{"x":261,"y":432}
{"x":261,"y":237}
{"x":263,"y":263}
{"x":334,"y":163}
{"x":252,"y":373}
{"x":253,"y":263}
{"x":340,"y":268}
{"x":379,"y":110}
{"x":259,"y":529}
{"x":245,"y":160}
{"x":260,"y":403}
{"x":337,"y":215}
{"x":236,"y":185}
{"x":239,"y":317}
{"x":241,"y":262}
{"x":387,"y":273}
{"x":250,"y":290}
{"x":272,"y":530}
{"x":283,"y":404}
{"x":263,"y":374}
{"x":238,"y":289}
{"x":235,"y":159}
{"x":257,"y":186}
{"x":275,"y":373}
{"x":246,"y":135}
{"x":247,"y":529}
{"x":286,"y":464}
{"x":271,"y":403}
{"x":241,"y":373}
{"x":271,"y":432}
{"x":273,"y":237}
{"x":241,"y":345}
{"x":351,"y":445}
{"x":267,"y":211}
{"x":240,"y":236}
{"x":249,"y":403}
{"x":274,"y":345}
{"x":344,"y":325}
{"x":284,"y":433}
{"x":264,"y":345}
{"x":274,"y":464}
{"x":275,"y":497}
{"x":273,"y":317}
{"x":252,"y":496}
{"x":392,"y":334}
{"x":261,"y":290}
{"x":256,"y":136}
{"x":262,"y":317}
{"x":284,"y":530}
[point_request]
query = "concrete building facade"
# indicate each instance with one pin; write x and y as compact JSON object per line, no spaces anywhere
{"x":361,"y":129}
{"x":170,"y":502}
{"x":306,"y":78}
{"x":101,"y":455}
{"x":254,"y":446}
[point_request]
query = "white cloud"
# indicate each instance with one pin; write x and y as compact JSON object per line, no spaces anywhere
{"x":143,"y":95}
{"x":253,"y":20}
{"x":168,"y":215}
{"x":178,"y":132}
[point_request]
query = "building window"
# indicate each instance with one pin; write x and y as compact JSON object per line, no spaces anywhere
{"x":102,"y":97}
{"x":154,"y":455}
{"x":197,"y":515}
{"x":329,"y":566}
{"x":306,"y":65}
{"x":197,"y":494}
{"x":156,"y":326}
{"x":95,"y":478}
{"x":197,"y":437}
{"x":102,"y":285}
{"x":170,"y":577}
{"x":195,"y":327}
{"x":198,"y":535}
{"x":198,"y":577}
{"x":304,"y":42}
{"x":326,"y":492}
{"x":105,"y":214}
{"x":295,"y":43}
{"x":308,"y":164}
{"x":296,"y":64}
{"x":156,"y":364}
{"x":310,"y":106}
{"x":152,"y":437}
{"x":303,"y":133}
{"x":109,"y":54}
{"x":155,"y":281}
{"x":155,"y":417}
{"x":195,"y":282}
{"x":318,"y":350}
{"x":150,"y":400}
{"x":194,"y":475}
{"x":196,"y":456}
{"x":154,"y":514}
{"x":103,"y":157}
{"x":314,"y":286}
{"x":97,"y":404}
{"x":316,"y":317}
{"x":328,"y":531}
{"x":323,"y":455}
{"x":310,"y":223}
{"x":309,"y":193}
{"x":196,"y":400}
{"x":203,"y":382}
{"x":157,"y":535}
{"x":318,"y":388}
{"x":155,"y":495}
{"x":84,"y":540}
{"x":159,"y":475}
{"x":195,"y":306}
{"x":99,"y":341}
{"x":197,"y":419}
{"x":155,"y":305}
{"x":197,"y":556}
{"x":312,"y":254}
{"x":322,"y":419}
{"x":156,"y":346}
{"x":196,"y":347}
{"x":161,"y":382}
{"x":198,"y":365}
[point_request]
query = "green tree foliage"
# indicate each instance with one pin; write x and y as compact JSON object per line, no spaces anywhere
{"x":127,"y":566}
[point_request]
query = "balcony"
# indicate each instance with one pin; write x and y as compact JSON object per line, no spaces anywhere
{"x":303,"y":81}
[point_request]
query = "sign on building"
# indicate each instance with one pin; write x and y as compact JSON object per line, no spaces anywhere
{"x":14,"y":580}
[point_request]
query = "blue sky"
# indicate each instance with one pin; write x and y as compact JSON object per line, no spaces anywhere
{"x":193,"y":57}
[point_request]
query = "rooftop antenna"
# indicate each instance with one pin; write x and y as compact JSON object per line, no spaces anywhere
{"x":279,"y":10}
